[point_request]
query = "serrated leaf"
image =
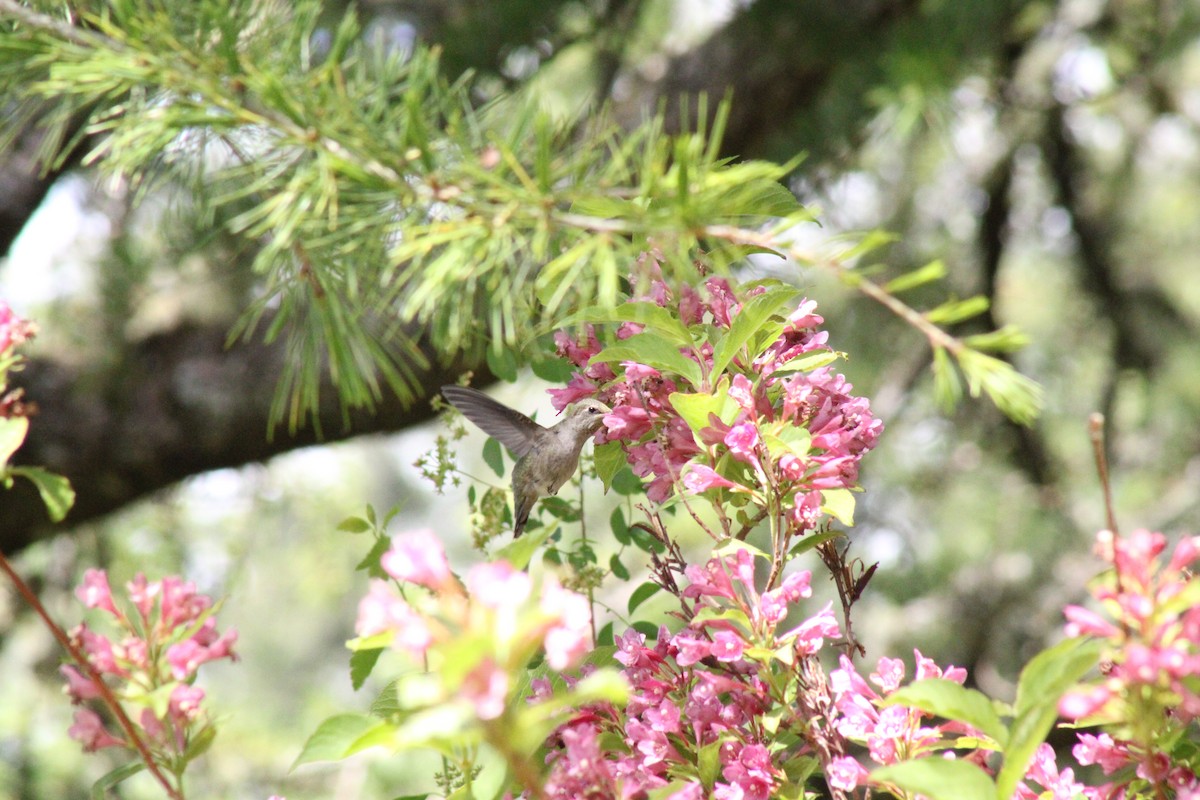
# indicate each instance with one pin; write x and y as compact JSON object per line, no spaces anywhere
{"x":55,"y":490}
{"x":493,"y":456}
{"x":608,"y":458}
{"x":334,"y":737}
{"x":641,"y":594}
{"x":370,"y":562}
{"x":947,"y":699}
{"x":362,"y":662}
{"x":938,"y":779}
{"x":750,"y":320}
{"x":839,"y":504}
{"x":708,"y":763}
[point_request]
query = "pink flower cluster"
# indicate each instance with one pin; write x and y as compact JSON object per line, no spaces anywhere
{"x":13,"y":329}
{"x":770,"y":399}
{"x":499,"y":606}
{"x":891,"y":733}
{"x":1153,"y":629}
{"x":708,"y":687}
{"x":168,"y":633}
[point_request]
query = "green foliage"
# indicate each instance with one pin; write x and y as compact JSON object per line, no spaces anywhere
{"x":383,"y":205}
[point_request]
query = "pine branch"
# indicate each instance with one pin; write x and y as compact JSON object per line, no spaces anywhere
{"x":376,"y":195}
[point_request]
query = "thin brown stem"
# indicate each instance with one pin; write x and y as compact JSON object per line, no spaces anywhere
{"x":81,"y":659}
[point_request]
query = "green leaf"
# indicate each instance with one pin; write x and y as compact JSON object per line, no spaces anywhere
{"x":493,"y":456}
{"x":106,"y":782}
{"x":945,"y":698}
{"x":362,"y":662}
{"x":608,"y":458}
{"x":617,"y":568}
{"x":334,"y":738}
{"x":954,"y":311}
{"x":654,"y":317}
{"x":839,"y":504}
{"x":812,"y":540}
{"x":520,"y":551}
{"x":502,"y":363}
{"x":13,"y":431}
{"x":354,"y":525}
{"x":620,"y":530}
{"x":1042,"y":683}
{"x":626,"y":483}
{"x":654,"y":351}
{"x":55,"y":490}
{"x":694,"y":408}
{"x":553,"y":370}
{"x":750,"y":321}
{"x":933,"y":271}
{"x":708,"y":763}
{"x":938,"y":779}
{"x":641,"y":594}
{"x":370,"y":562}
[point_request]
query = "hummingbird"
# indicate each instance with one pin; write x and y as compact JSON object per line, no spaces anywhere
{"x":547,"y":457}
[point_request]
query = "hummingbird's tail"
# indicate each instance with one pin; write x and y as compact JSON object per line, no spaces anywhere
{"x":521,"y":508}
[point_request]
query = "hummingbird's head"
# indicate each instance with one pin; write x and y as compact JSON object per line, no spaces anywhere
{"x":588,"y":415}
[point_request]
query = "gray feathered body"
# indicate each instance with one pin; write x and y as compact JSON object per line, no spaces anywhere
{"x":548,"y":457}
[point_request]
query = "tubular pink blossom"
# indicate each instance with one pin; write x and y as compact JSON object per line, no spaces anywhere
{"x":418,"y":557}
{"x":94,"y":592}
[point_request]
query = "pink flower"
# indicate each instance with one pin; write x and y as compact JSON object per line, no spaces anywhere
{"x":381,"y":611}
{"x":700,"y":478}
{"x":742,"y":392}
{"x":570,"y":638}
{"x":846,"y":774}
{"x":143,"y":594}
{"x":497,"y":585}
{"x":95,"y":593}
{"x":89,"y":731}
{"x":627,"y":422}
{"x":13,"y":329}
{"x":1083,"y":702}
{"x":742,"y":441}
{"x":727,"y":646}
{"x":486,"y":688}
{"x":691,"y":649}
{"x":810,"y":635}
{"x":79,"y":687}
{"x":185,"y":702}
{"x":418,"y":557}
{"x":637,"y":372}
{"x":180,"y":602}
{"x":1082,"y":622}
{"x":1102,"y":750}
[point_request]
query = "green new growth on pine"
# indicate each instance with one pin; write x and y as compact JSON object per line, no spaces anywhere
{"x":388,"y":210}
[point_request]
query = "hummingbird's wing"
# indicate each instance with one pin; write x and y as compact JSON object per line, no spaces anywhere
{"x":513,"y":429}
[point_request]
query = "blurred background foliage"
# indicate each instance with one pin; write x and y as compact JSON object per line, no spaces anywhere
{"x":1047,"y":152}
